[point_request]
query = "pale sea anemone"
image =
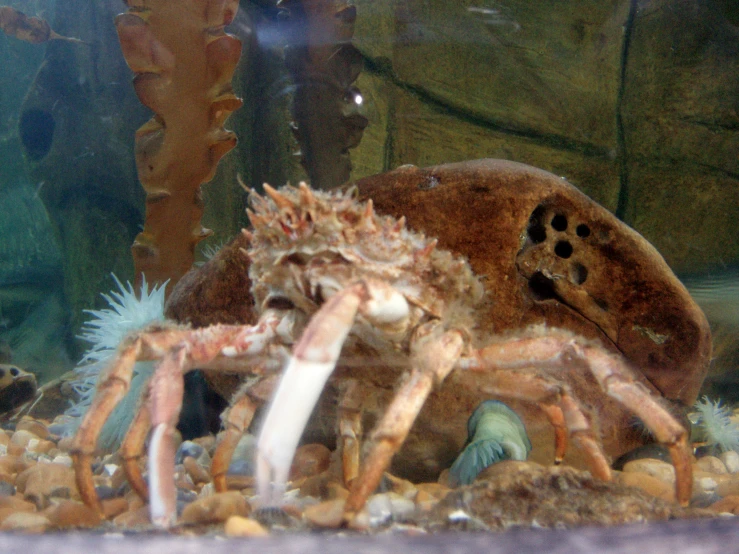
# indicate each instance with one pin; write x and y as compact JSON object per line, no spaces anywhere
{"x":127,"y":312}
{"x":716,"y":426}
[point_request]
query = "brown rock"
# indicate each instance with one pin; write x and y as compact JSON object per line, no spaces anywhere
{"x":113,"y":507}
{"x":326,"y":514}
{"x":44,"y":480}
{"x":216,"y":508}
{"x":4,"y":438}
{"x":197,"y":473}
{"x":729,"y":504}
{"x":138,"y":517}
{"x":34,"y":426}
{"x":656,"y":468}
{"x":309,"y":460}
{"x":25,"y":521}
{"x":7,"y":477}
{"x":69,"y":514}
{"x":729,"y":487}
{"x":647,"y":483}
{"x":10,"y":464}
{"x":22,"y":437}
{"x":730,"y":460}
{"x":436,"y":490}
{"x":10,"y":505}
{"x":237,"y":526}
{"x":710,"y":464}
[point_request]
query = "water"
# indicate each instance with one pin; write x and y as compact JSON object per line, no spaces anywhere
{"x":633,"y":102}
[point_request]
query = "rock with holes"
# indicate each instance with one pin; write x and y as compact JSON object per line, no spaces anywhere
{"x":550,"y":255}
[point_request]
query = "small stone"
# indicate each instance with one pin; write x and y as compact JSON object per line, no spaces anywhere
{"x":729,"y":487}
{"x":216,"y":508}
{"x":137,"y":517}
{"x":7,"y":488}
{"x":309,"y":460}
{"x":65,"y":444}
{"x":327,"y":515}
{"x":425,"y":501}
{"x":656,"y":468}
{"x":730,"y":505}
{"x":193,"y":450}
{"x":731,"y":460}
{"x":113,"y":507}
{"x":69,"y":514}
{"x":506,"y":468}
{"x":10,"y":464}
{"x":22,"y":438}
{"x":710,"y":464}
{"x":34,"y":426}
{"x":42,"y":481}
{"x":386,"y":506}
{"x":197,"y":473}
{"x":208,"y":442}
{"x":647,"y":483}
{"x":436,"y":490}
{"x":237,"y":526}
{"x":4,"y":438}
{"x":26,"y":522}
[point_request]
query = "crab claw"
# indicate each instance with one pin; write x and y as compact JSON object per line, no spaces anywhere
{"x":310,"y":366}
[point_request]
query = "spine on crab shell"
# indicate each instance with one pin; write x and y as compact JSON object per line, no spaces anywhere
{"x":179,"y":148}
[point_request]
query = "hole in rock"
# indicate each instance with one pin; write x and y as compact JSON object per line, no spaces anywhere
{"x":536,"y":231}
{"x":559,"y":222}
{"x":541,"y":287}
{"x":582,"y":231}
{"x":578,"y":274}
{"x":563,"y":249}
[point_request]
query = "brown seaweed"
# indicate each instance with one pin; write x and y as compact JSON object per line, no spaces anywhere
{"x":31,"y":29}
{"x":183,"y":62}
{"x":324,"y":65}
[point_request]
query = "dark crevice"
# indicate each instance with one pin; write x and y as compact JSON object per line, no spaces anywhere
{"x":382,"y":67}
{"x":623,"y":193}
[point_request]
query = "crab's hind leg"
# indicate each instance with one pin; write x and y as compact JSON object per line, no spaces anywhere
{"x":111,"y":390}
{"x":433,"y":355}
{"x":615,"y":379}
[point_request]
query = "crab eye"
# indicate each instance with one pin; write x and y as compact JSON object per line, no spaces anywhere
{"x":279,"y":303}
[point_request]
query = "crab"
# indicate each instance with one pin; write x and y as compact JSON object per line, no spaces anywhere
{"x":342,"y":295}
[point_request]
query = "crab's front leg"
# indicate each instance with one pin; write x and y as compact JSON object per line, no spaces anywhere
{"x":313,"y":360}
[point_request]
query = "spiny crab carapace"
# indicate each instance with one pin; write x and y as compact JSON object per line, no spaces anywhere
{"x":400,"y":326}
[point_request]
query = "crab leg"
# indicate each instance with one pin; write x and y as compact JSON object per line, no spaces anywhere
{"x":350,"y":429}
{"x":236,"y":421}
{"x":166,"y":390}
{"x":433,"y":357}
{"x":613,"y":376}
{"x":313,"y":360}
{"x":133,"y":446}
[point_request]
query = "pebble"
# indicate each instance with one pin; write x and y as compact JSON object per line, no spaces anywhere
{"x":731,"y":460}
{"x":114,"y":507}
{"x":25,"y":521}
{"x":327,"y":515}
{"x":195,"y":470}
{"x":388,"y":506}
{"x":216,"y":508}
{"x":647,"y":483}
{"x":137,"y":517}
{"x":729,"y":504}
{"x":38,"y":428}
{"x":237,"y":526}
{"x":656,"y":468}
{"x":44,"y":480}
{"x":69,"y":514}
{"x":710,"y":464}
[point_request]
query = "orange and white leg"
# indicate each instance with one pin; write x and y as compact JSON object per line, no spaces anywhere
{"x":313,"y":360}
{"x":349,"y":413}
{"x":434,"y":353}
